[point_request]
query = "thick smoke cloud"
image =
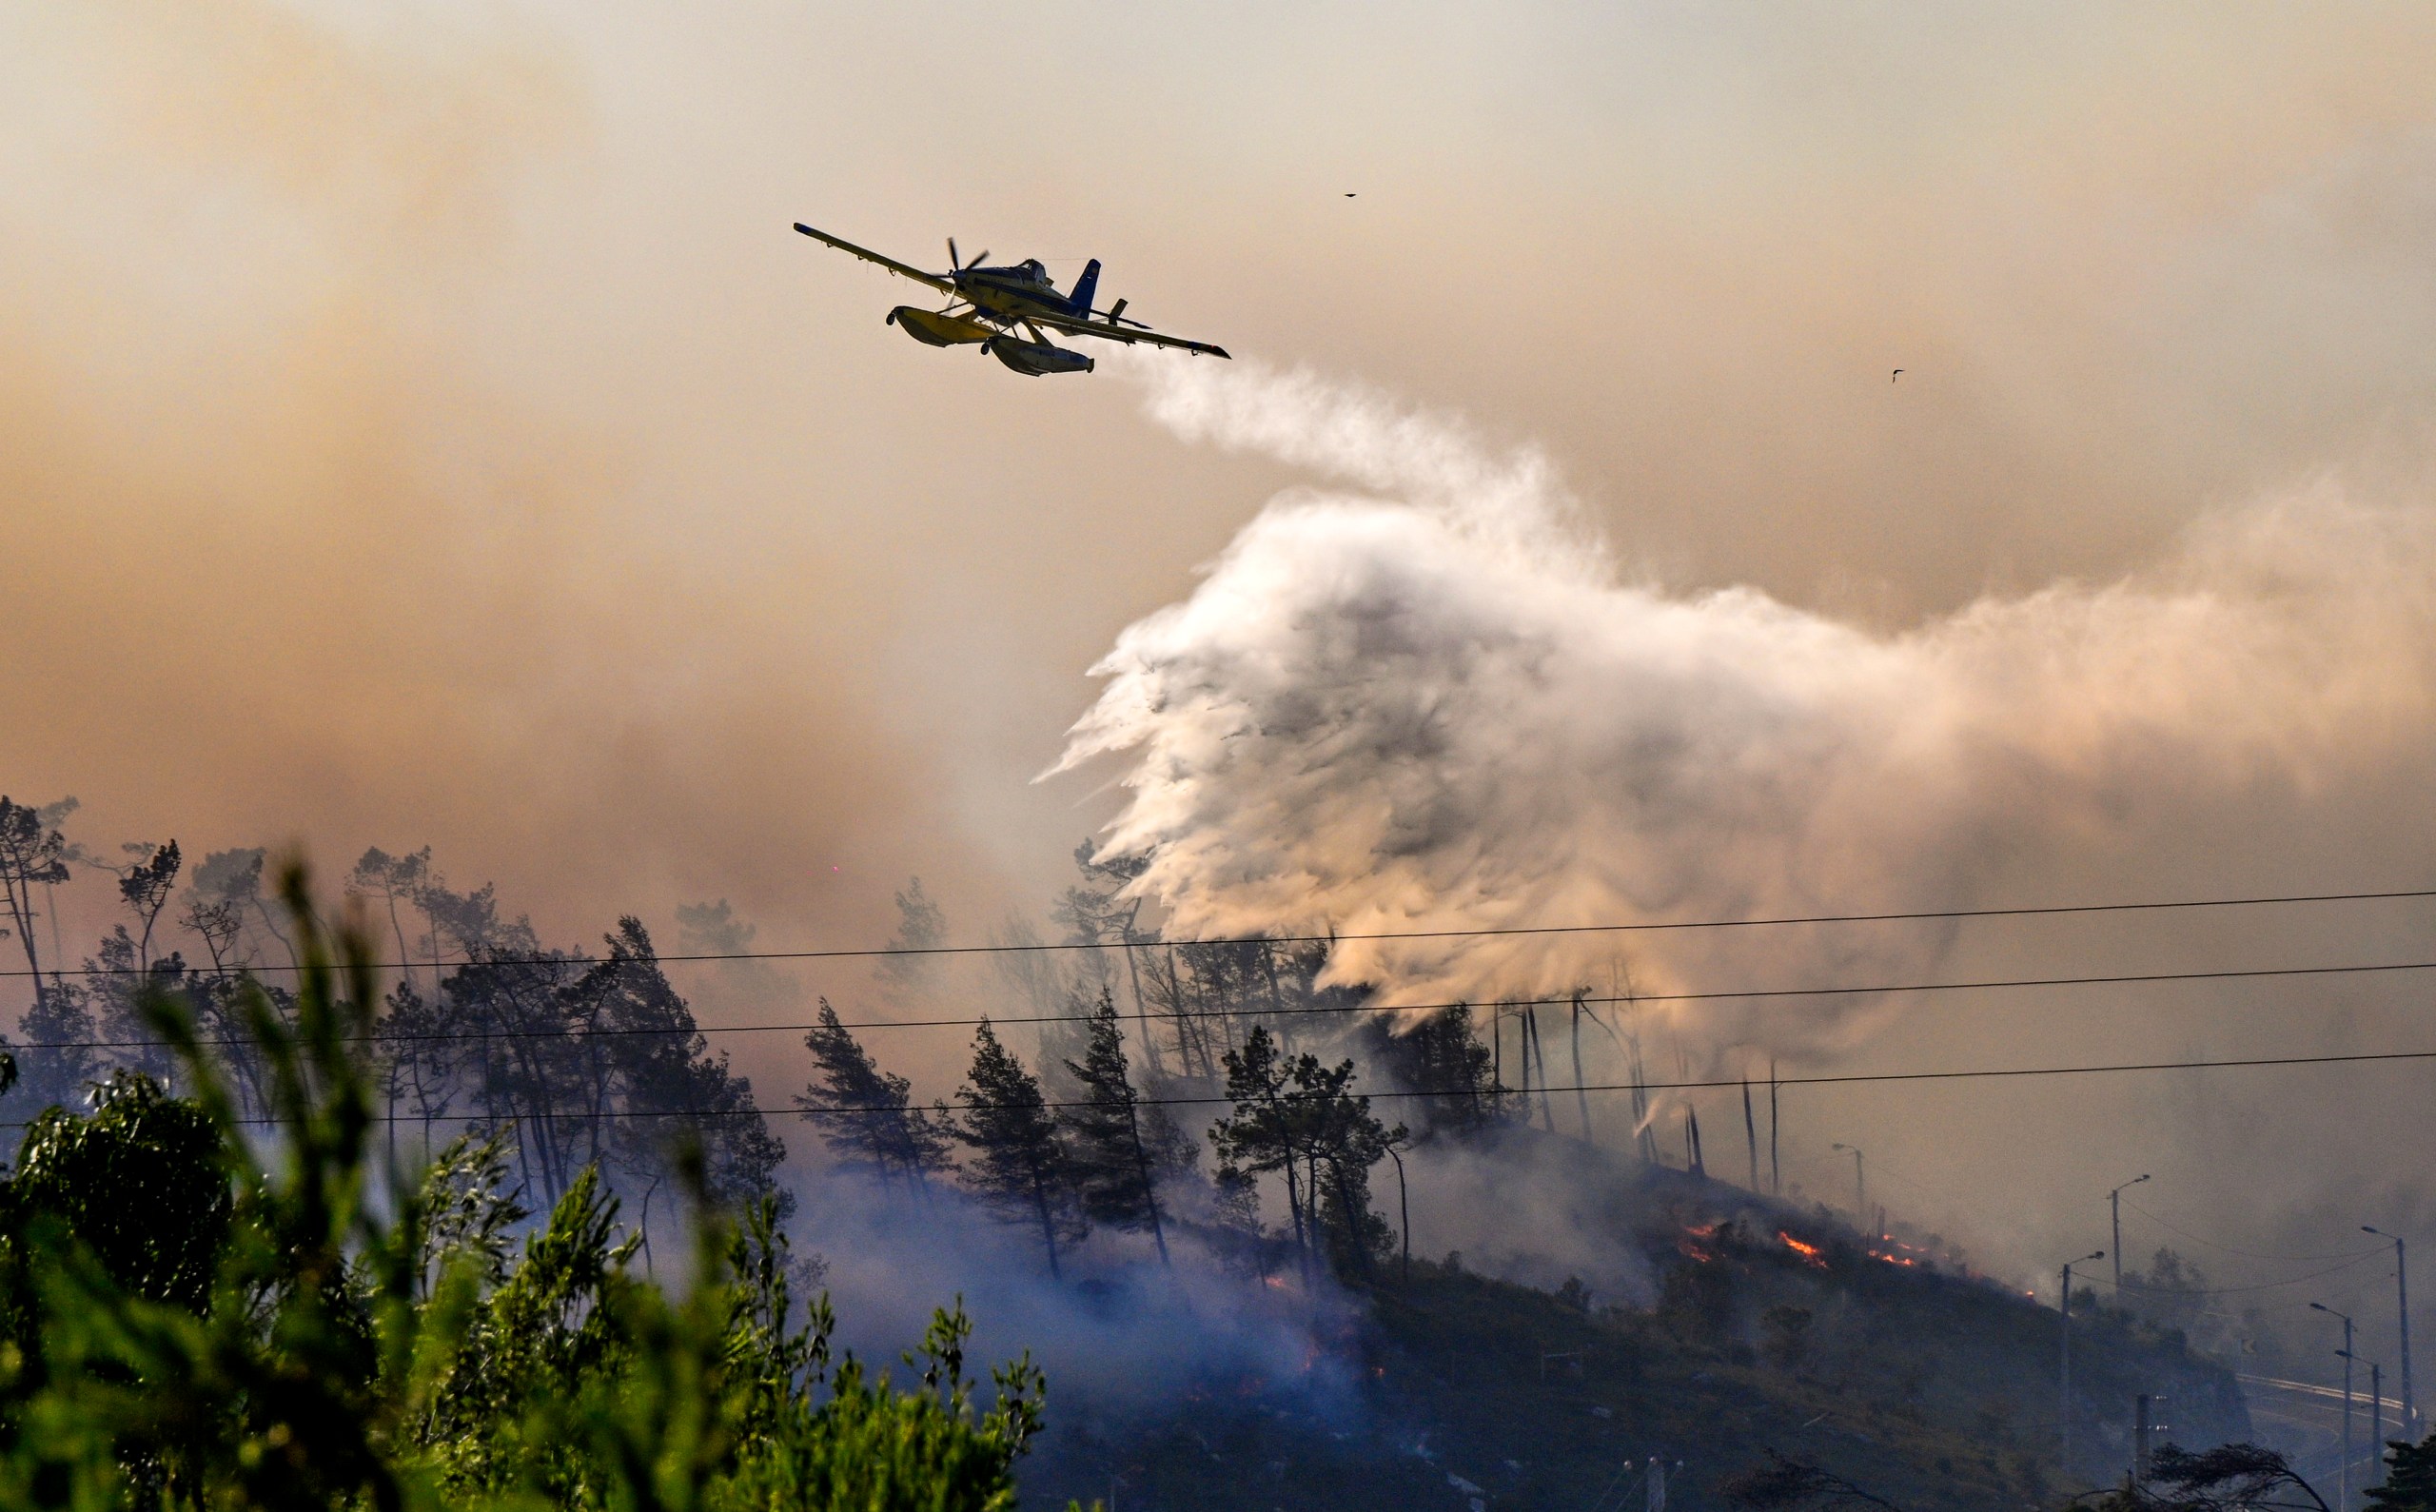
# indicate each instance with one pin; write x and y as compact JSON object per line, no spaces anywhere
{"x":1439,"y":704}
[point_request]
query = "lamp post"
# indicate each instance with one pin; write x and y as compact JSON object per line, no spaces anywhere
{"x":2345,"y":1493}
{"x":2402,"y":1303}
{"x":2064,"y":1373}
{"x":2115,"y":1210}
{"x":1860,"y":1186}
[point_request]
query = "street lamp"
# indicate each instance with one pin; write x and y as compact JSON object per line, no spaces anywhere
{"x":1860,"y":1187}
{"x":2345,"y":1494}
{"x":2114,"y":1208}
{"x":2402,"y":1303}
{"x":2064,"y":1374}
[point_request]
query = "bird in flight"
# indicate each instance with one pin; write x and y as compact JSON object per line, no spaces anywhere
{"x":1898,"y":372}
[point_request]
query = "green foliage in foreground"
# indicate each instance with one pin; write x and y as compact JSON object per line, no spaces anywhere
{"x":2411,"y":1477}
{"x":180,"y":1329}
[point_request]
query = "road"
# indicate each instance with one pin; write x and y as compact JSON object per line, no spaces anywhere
{"x":2305,"y":1421}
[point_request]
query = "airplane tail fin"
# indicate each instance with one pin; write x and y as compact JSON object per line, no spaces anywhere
{"x":1086,"y":288}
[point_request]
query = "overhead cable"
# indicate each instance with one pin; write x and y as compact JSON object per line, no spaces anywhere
{"x":1845,"y":1079}
{"x":1993,"y":984}
{"x":1637,"y":926}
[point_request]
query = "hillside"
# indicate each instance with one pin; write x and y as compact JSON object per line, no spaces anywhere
{"x":1773,"y":1330}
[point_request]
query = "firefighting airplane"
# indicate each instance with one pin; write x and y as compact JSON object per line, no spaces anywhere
{"x":988,"y":304}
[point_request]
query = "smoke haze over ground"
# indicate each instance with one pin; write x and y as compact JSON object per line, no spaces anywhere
{"x":1132,"y":1336}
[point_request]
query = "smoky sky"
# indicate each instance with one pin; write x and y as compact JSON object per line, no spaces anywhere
{"x":418,"y":425}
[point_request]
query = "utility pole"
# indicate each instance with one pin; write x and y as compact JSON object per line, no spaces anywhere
{"x":1860,"y":1186}
{"x":1403,"y":1209}
{"x":2146,"y":1430}
{"x":1547,"y":1108}
{"x":1749,"y":1132}
{"x":2402,"y":1302}
{"x":1580,"y":1092}
{"x":2064,"y":1374}
{"x":2140,"y":1440}
{"x":2376,"y":1422}
{"x":2344,"y":1495}
{"x":1776,"y":1172}
{"x":2114,"y":1208}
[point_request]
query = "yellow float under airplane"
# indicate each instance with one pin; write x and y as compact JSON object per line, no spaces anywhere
{"x":987,"y":306}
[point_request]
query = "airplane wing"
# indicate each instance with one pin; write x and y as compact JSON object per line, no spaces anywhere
{"x":889,"y":262}
{"x":1109,"y":330}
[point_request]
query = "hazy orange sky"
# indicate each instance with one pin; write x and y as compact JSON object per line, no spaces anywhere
{"x":419,"y":425}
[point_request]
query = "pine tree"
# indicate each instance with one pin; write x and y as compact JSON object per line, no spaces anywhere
{"x":1299,"y":1117}
{"x":57,"y":1056}
{"x":660,"y":1067}
{"x":715,"y":929}
{"x":2410,"y":1479}
{"x":1113,"y":1164}
{"x":145,"y":889}
{"x":867,"y":1116}
{"x":379,"y":874}
{"x":115,"y":988}
{"x":1020,"y":1169}
{"x":32,"y":854}
{"x":1262,"y":1134}
{"x":921,"y":928}
{"x":1441,"y":1056}
{"x":1342,"y":1140}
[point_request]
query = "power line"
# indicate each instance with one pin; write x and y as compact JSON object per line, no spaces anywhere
{"x":2247,"y":1254}
{"x":1639,"y":926}
{"x":1855,"y":1078}
{"x":2227,"y":1292}
{"x":1993,"y":984}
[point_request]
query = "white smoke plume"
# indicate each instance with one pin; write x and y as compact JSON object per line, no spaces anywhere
{"x":1439,"y":704}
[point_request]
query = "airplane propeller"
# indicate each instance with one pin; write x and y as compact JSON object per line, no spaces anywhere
{"x":957,"y":266}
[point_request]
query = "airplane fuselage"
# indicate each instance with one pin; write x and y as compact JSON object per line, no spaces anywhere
{"x":1015,"y":292}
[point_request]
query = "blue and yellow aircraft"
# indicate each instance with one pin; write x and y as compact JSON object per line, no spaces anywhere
{"x":988,"y":304}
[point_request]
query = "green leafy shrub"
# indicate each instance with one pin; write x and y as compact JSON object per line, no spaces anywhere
{"x":192,"y":1330}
